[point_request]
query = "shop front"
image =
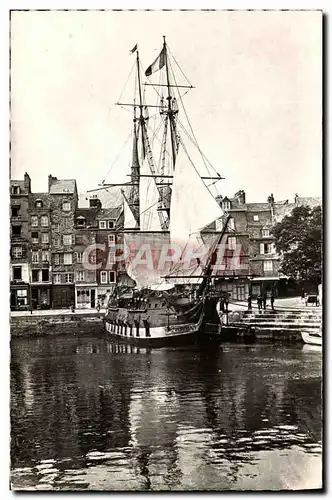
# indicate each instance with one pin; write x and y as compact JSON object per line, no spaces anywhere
{"x":19,"y":297}
{"x":41,"y":296}
{"x":85,"y":296}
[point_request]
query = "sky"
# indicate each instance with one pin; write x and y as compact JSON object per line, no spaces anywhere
{"x":256,"y":108}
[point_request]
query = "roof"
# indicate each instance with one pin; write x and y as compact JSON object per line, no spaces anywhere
{"x":108,"y":213}
{"x":44,"y":197}
{"x":66,"y":186}
{"x":258,"y":207}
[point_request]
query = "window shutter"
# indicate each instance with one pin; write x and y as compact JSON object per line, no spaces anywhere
{"x":262,"y":248}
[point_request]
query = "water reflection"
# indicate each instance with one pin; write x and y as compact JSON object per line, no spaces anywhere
{"x":90,"y":414}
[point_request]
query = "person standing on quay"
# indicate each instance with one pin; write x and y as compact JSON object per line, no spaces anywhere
{"x":249,"y":302}
{"x":264,"y":298}
{"x":259,"y":302}
{"x":272,"y":301}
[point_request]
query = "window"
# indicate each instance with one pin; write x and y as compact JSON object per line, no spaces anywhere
{"x":34,"y":237}
{"x":80,"y":221}
{"x":22,"y":299}
{"x":34,"y":221}
{"x":67,"y":259}
{"x":35,"y":275}
{"x":44,"y":221}
{"x":45,"y":257}
{"x":79,"y":257}
{"x":231,"y":242}
{"x":56,"y":241}
{"x":111,"y":257}
{"x":268,"y":265}
{"x":56,"y":227}
{"x":103,"y":277}
{"x":56,"y":259}
{"x":231,"y":224}
{"x":16,"y":230}
{"x":67,"y":239}
{"x":80,"y":276}
{"x":15,"y":211}
{"x":39,"y":204}
{"x":45,"y":275}
{"x":102,"y":224}
{"x":111,"y":224}
{"x":57,"y":278}
{"x":66,"y":206}
{"x":111,"y":240}
{"x":68,"y":278}
{"x":83,"y":296}
{"x":17,"y":272}
{"x":226,"y":205}
{"x":16,"y":190}
{"x":265,"y":232}
{"x":267,"y":248}
{"x":111,"y":277}
{"x":17,"y":252}
{"x":35,"y":257}
{"x":256,"y":218}
{"x":44,"y":238}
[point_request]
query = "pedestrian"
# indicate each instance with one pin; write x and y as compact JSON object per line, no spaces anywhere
{"x":226,"y":303}
{"x":73,"y":308}
{"x":272,"y":301}
{"x":259,"y":301}
{"x":264,"y":298}
{"x":249,"y":302}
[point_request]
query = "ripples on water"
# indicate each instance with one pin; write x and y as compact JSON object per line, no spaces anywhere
{"x":86,"y":414}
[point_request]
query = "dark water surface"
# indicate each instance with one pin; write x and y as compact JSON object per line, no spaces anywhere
{"x":90,"y":415}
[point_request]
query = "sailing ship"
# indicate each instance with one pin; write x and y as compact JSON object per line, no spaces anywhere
{"x":160,"y":300}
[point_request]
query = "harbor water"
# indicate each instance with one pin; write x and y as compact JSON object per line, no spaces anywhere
{"x":90,"y":415}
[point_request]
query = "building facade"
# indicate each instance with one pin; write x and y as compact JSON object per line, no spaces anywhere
{"x":20,"y":268}
{"x":63,"y":205}
{"x":251,"y":263}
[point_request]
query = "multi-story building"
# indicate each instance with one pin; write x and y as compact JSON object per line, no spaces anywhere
{"x":251,"y":264}
{"x":19,"y":243}
{"x":94,"y":253}
{"x":40,"y":245}
{"x":63,"y":205}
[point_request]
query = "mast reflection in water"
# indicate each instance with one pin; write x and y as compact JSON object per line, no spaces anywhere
{"x":86,"y":414}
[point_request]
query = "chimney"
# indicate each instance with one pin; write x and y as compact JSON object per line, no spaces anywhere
{"x":94,"y":202}
{"x":51,"y":179}
{"x":241,"y":197}
{"x":27,"y":182}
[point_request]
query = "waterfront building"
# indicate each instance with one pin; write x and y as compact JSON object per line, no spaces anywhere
{"x":63,"y":200}
{"x":40,"y":238}
{"x":19,"y":243}
{"x":256,"y":269}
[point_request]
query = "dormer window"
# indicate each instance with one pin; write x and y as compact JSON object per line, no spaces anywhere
{"x":102,"y":224}
{"x":80,"y":221}
{"x":39,"y":204}
{"x":16,"y":190}
{"x":265,"y":232}
{"x":256,"y":218}
{"x":226,"y":205}
{"x":111,"y":224}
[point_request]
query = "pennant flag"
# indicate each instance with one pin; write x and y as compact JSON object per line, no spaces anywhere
{"x":157,"y":64}
{"x":133,"y":49}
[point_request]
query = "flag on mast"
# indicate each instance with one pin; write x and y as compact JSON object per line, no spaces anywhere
{"x":157,"y":64}
{"x":133,"y":49}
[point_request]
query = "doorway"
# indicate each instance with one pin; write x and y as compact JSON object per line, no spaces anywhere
{"x":93,"y":298}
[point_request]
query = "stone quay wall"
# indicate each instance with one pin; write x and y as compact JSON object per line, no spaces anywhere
{"x":69,"y":324}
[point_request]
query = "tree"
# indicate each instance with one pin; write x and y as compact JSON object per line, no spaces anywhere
{"x":299,"y":241}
